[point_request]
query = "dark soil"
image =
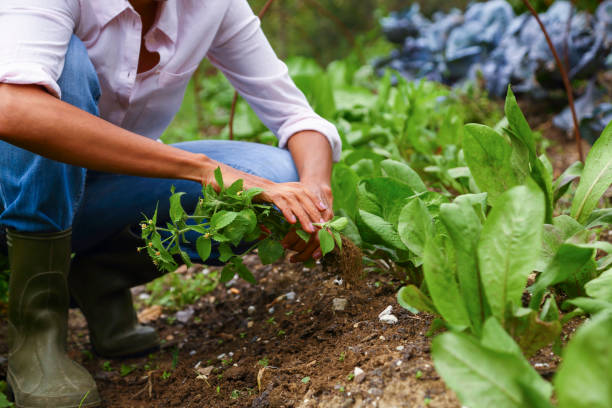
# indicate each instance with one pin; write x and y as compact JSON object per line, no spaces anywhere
{"x":285,"y":353}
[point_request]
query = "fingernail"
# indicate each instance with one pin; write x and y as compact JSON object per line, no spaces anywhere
{"x":311,"y":227}
{"x":322,"y":205}
{"x":322,"y":221}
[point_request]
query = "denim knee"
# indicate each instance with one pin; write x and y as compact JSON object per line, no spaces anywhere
{"x":42,"y":195}
{"x":79,"y":81}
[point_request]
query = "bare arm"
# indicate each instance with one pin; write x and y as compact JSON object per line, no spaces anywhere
{"x":312,"y":155}
{"x":34,"y":120}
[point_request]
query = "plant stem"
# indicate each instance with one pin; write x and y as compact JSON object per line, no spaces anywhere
{"x":566,"y":81}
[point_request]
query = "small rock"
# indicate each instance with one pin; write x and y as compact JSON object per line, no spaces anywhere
{"x":250,"y":324}
{"x":385,"y":312}
{"x":271,"y":310}
{"x":221,"y":356}
{"x":388,"y":319}
{"x":541,"y":365}
{"x":251,"y":310}
{"x":359,"y":375}
{"x":338,"y":281}
{"x":197,"y":365}
{"x":383,"y":338}
{"x":290,"y":296}
{"x":184,"y":316}
{"x":399,"y":348}
{"x":144,"y":296}
{"x":205,"y":371}
{"x":339,"y":304}
{"x":192,"y":353}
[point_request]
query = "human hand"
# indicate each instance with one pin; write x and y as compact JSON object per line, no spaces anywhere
{"x":311,"y":249}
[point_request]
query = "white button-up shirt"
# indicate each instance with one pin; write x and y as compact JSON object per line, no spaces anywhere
{"x":34,"y":36}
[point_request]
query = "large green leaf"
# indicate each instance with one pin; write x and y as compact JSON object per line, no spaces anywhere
{"x":517,"y":122}
{"x":379,"y":230}
{"x":463,"y":226}
{"x":533,"y":333}
{"x":391,"y":195}
{"x":483,"y":377}
{"x":402,"y":172}
{"x":519,"y":129}
{"x":510,"y":245}
{"x":410,"y":297}
{"x":414,"y":225}
{"x":442,"y":283}
{"x":601,"y":287}
{"x":344,"y":180}
{"x":270,"y":251}
{"x":567,"y":262}
{"x":583,"y":379}
{"x":563,"y":182}
{"x":488,"y":156}
{"x":596,"y":177}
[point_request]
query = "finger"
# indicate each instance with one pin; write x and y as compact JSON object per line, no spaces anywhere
{"x":299,"y":245}
{"x":290,"y":240}
{"x":284,"y":208}
{"x":303,"y":217}
{"x":316,"y":200}
{"x":313,"y":212}
{"x":307,"y":252}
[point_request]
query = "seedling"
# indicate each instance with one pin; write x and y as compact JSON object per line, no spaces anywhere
{"x":223,"y":220}
{"x":264,"y":362}
{"x":305,"y":380}
{"x":106,"y":366}
{"x":126,"y":369}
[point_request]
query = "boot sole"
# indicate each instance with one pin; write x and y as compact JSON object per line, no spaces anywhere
{"x":11,"y":397}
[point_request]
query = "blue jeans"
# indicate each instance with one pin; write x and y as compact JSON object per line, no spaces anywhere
{"x":42,"y":195}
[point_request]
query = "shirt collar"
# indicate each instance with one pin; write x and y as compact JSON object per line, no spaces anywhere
{"x":168,"y":20}
{"x":107,"y":10}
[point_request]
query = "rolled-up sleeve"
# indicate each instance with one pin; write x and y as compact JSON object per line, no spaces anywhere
{"x":242,"y":52}
{"x":34,"y":37}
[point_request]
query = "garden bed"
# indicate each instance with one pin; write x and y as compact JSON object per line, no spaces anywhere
{"x":304,"y":352}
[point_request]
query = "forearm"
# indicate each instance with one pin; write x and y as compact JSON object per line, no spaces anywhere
{"x":34,"y":120}
{"x":312,"y":155}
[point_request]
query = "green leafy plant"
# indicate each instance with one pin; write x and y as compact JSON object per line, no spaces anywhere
{"x":223,"y":221}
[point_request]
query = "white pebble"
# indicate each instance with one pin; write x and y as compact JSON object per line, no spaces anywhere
{"x":251,"y":310}
{"x":338,"y":281}
{"x":221,"y":356}
{"x":399,"y":348}
{"x":271,"y":310}
{"x":339,"y":304}
{"x":387,"y":311}
{"x":388,"y":319}
{"x":290,"y":296}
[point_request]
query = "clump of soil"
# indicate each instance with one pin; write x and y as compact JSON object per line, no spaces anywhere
{"x":346,"y":261}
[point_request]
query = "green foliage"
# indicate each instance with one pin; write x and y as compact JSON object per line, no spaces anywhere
{"x":4,"y":402}
{"x":596,"y":177}
{"x":223,"y":220}
{"x":487,"y":372}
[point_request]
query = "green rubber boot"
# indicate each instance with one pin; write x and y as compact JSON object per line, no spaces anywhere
{"x":100,"y":282}
{"x":40,"y":373}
